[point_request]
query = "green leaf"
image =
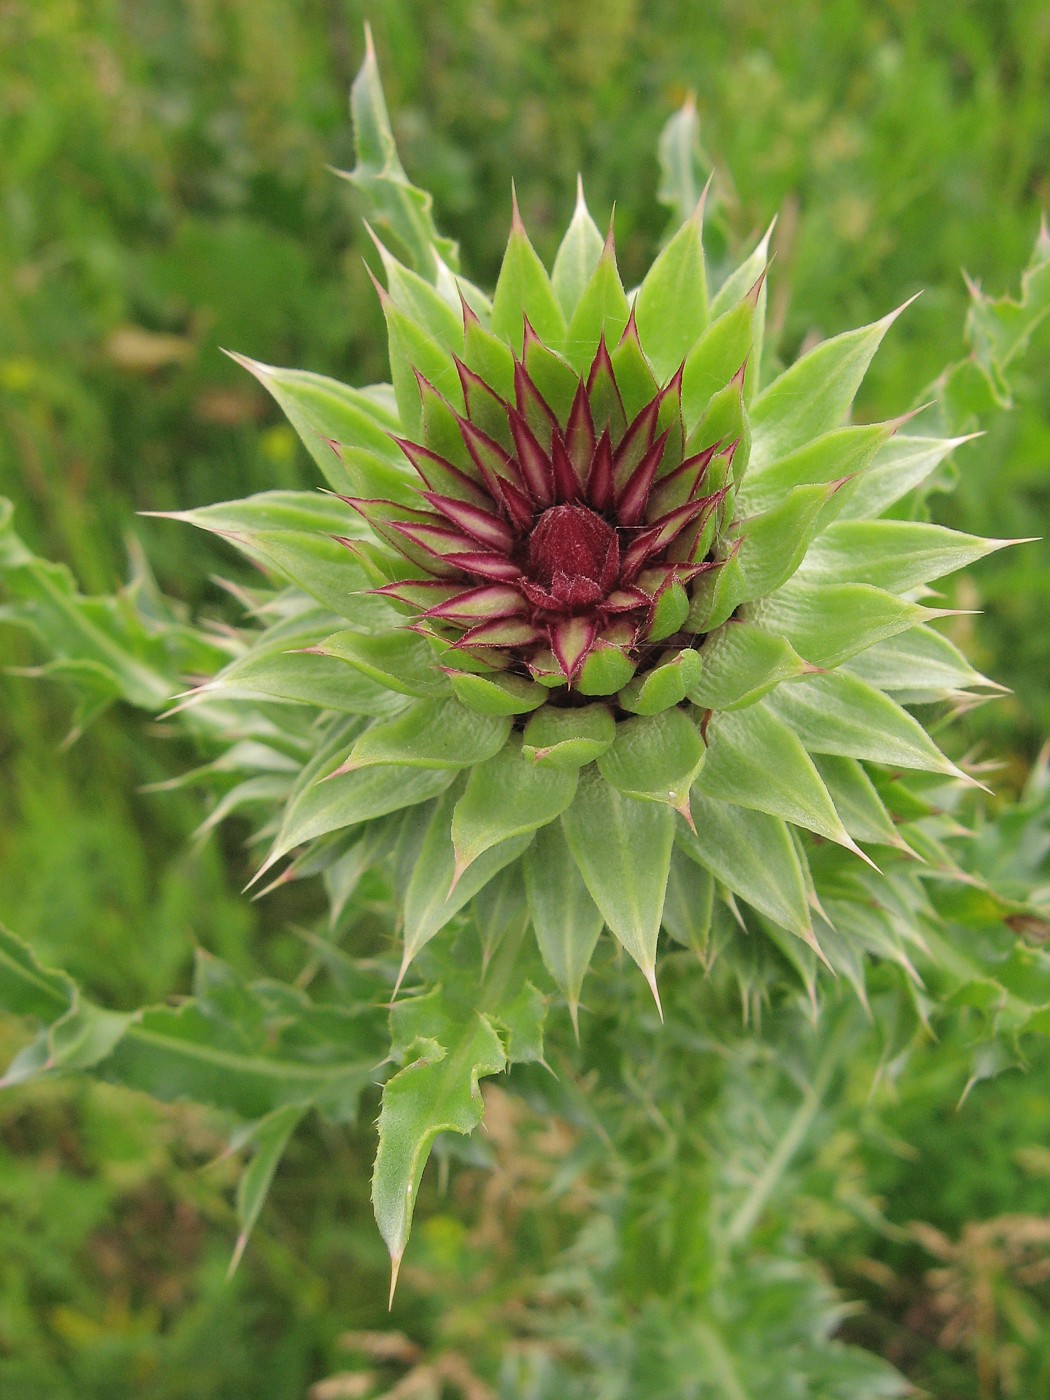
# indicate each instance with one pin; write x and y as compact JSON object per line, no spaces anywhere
{"x":577,"y":256}
{"x":814,"y":394}
{"x":894,"y":554}
{"x":671,"y":307}
{"x":623,"y":850}
{"x":507,"y":796}
{"x":436,"y":1092}
{"x":919,"y":667}
{"x":752,"y":854}
{"x":570,"y":739}
{"x":424,"y":304}
{"x":743,"y":278}
{"x":323,"y":411}
{"x":497,"y":694}
{"x":838,"y":714}
{"x":664,"y":686}
{"x":689,"y":905}
{"x":899,"y":466}
{"x":301,"y":512}
{"x":398,"y":660}
{"x":756,"y":761}
{"x":269,"y":1137}
{"x":769,"y":549}
{"x":393,"y":203}
{"x":829,"y":622}
{"x":332,"y":803}
{"x":856,"y":800}
{"x":431,"y":734}
{"x":655,"y":758}
{"x":683,"y":165}
{"x":842,"y":452}
{"x":743,"y":662}
{"x":27,"y":988}
{"x":566,"y":920}
{"x":523,"y":288}
{"x":602,"y":310}
{"x":412,"y":348}
{"x":438,"y":888}
{"x":714,"y":360}
{"x":305,"y":679}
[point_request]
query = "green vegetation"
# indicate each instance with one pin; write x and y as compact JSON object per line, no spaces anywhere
{"x":163,"y":193}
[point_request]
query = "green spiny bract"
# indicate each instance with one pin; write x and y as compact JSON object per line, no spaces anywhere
{"x":599,"y":623}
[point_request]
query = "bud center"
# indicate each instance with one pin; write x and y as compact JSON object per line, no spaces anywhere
{"x":574,"y":543}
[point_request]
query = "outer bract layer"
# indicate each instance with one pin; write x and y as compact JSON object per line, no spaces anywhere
{"x":618,"y":622}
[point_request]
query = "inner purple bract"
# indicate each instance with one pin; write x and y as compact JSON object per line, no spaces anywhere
{"x":573,"y":558}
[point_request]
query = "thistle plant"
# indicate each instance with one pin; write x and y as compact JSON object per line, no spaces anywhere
{"x":606,"y":634}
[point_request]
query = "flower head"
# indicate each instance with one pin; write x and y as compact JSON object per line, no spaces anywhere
{"x":639,"y":623}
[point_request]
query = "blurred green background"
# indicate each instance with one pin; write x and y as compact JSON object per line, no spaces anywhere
{"x":164,"y":191}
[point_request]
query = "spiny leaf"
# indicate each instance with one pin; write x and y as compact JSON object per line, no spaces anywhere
{"x":577,"y":256}
{"x":813,"y":395}
{"x":838,"y":714}
{"x":506,"y":796}
{"x":431,"y":734}
{"x":566,"y":920}
{"x":894,"y":554}
{"x":756,"y":761}
{"x":623,"y":850}
{"x":671,"y":307}
{"x":436,"y":1092}
{"x":752,"y":854}
{"x":523,"y":288}
{"x":393,"y":202}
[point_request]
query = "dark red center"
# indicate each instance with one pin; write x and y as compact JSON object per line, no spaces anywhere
{"x":572,"y":542}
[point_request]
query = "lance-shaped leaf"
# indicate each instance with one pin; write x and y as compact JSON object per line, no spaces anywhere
{"x":842,"y":452}
{"x":601,"y":311}
{"x":398,"y":660}
{"x":671,"y":307}
{"x":325,"y":569}
{"x":755,"y":760}
{"x":684,"y":167}
{"x":857,"y":801}
{"x":577,"y":257}
{"x":839,"y":714}
{"x":422,"y":301}
{"x":743,"y":662}
{"x":394,"y":204}
{"x":665,"y":686}
{"x":894,"y":554}
{"x":305,"y":679}
{"x":437,"y":890}
{"x":431,"y":734}
{"x":506,"y":796}
{"x":305,"y":512}
{"x":332,"y":803}
{"x":268,"y":1139}
{"x":523,"y":289}
{"x":714,"y":360}
{"x":436,"y":1092}
{"x":769,"y":549}
{"x":689,"y":905}
{"x":829,"y":622}
{"x":414,"y":351}
{"x":752,"y":854}
{"x":655,"y":758}
{"x":566,"y":919}
{"x":899,"y":466}
{"x":814,"y":394}
{"x":324,"y":412}
{"x":919,"y":667}
{"x":623,"y":850}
